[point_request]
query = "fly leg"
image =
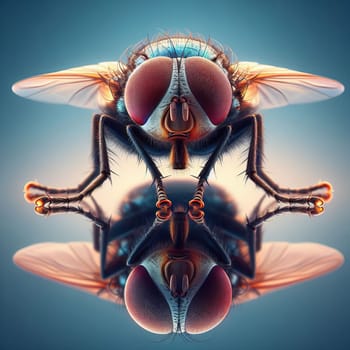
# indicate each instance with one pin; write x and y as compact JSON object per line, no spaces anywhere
{"x":254,"y":228}
{"x":94,"y":214}
{"x":255,"y":171}
{"x":104,"y":242}
{"x":34,"y":190}
{"x":99,"y":174}
{"x":74,"y":209}
{"x":256,"y":223}
{"x":197,"y":203}
{"x":259,"y":220}
{"x":163,"y":203}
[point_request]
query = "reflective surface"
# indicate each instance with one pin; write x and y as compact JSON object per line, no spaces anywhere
{"x":36,"y":39}
{"x":179,"y":274}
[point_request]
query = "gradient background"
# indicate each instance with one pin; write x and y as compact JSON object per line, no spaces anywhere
{"x":304,"y":144}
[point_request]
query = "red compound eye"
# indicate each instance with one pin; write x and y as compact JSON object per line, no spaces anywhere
{"x":145,"y":303}
{"x":146,"y":87}
{"x":210,"y":86}
{"x":211,"y":303}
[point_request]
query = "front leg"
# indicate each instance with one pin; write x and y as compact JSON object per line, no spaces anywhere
{"x":256,"y":173}
{"x":163,"y":203}
{"x":99,"y":174}
{"x":105,"y":241}
{"x":196,"y":203}
{"x":92,"y":212}
{"x":34,"y":190}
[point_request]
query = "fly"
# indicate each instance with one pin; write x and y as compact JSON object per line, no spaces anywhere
{"x":178,"y":96}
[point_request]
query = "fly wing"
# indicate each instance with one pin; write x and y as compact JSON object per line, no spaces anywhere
{"x":92,"y":87}
{"x":76,"y":264}
{"x":264,"y":87}
{"x":281,"y":264}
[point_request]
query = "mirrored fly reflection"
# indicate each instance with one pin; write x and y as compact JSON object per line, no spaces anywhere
{"x":179,"y":97}
{"x":184,"y":272}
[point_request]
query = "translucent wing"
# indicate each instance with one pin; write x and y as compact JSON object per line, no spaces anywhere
{"x":281,"y":264}
{"x":264,"y":86}
{"x":92,"y":87}
{"x":76,"y":264}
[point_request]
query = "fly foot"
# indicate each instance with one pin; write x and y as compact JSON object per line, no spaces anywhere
{"x":33,"y":191}
{"x":195,"y":212}
{"x":164,"y":213}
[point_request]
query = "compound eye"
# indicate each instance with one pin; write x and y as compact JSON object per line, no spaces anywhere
{"x":145,"y":303}
{"x":210,"y":86}
{"x":211,"y":303}
{"x":146,"y":87}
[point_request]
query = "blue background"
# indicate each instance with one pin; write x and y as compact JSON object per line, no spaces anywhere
{"x":52,"y":143}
